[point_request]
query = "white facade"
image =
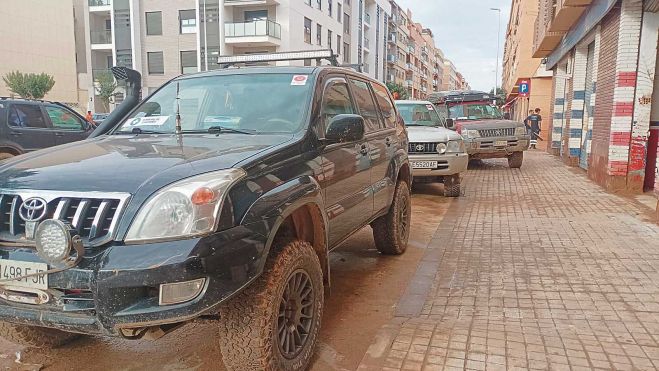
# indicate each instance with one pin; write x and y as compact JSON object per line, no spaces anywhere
{"x":120,"y":33}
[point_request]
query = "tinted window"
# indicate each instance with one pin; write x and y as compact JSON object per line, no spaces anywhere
{"x":63,"y":119}
{"x":336,"y":102}
{"x":386,"y":106}
{"x":366,"y":105}
{"x":26,"y":116}
{"x":156,"y":63}
{"x":189,"y":61}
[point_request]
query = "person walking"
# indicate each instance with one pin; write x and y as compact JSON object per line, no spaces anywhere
{"x":534,"y":123}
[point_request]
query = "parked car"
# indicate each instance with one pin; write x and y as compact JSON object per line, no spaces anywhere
{"x":29,"y":125}
{"x":98,"y":118}
{"x":485,"y":131}
{"x":166,"y":216}
{"x":436,"y":153}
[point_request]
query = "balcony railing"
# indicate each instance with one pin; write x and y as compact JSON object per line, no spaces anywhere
{"x":99,"y":2}
{"x":367,"y":18}
{"x":409,"y":66}
{"x":255,"y":28}
{"x":392,"y":58}
{"x":367,"y":43}
{"x":409,"y":83}
{"x":101,"y":37}
{"x":410,"y":49}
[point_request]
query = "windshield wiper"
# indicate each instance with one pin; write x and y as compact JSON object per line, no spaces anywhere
{"x":140,"y":131}
{"x":221,"y":129}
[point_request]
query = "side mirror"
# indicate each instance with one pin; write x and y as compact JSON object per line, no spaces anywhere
{"x":345,"y":128}
{"x":450,"y":123}
{"x":506,"y":115}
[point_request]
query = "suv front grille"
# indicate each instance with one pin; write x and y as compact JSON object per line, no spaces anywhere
{"x":504,"y":132}
{"x":420,"y":148}
{"x":93,"y":217}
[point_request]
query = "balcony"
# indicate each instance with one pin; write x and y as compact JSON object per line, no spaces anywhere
{"x":250,"y":2}
{"x":565,"y":16}
{"x":392,"y":58}
{"x":256,"y":33}
{"x":554,"y":22}
{"x":410,"y":49}
{"x":101,"y":39}
{"x":99,"y":5}
{"x":367,"y":20}
{"x":391,"y":39}
{"x":409,"y":83}
{"x":367,"y":44}
{"x":409,"y":67}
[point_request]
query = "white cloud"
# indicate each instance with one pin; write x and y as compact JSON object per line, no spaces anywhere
{"x":466,"y":30}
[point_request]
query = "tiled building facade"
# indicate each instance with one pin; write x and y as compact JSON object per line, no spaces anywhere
{"x":602,"y":54}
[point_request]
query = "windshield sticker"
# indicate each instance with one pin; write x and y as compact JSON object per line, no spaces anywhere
{"x":299,"y":80}
{"x":430,"y":107}
{"x":148,"y":121}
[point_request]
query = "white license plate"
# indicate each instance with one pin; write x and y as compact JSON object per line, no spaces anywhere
{"x":500,"y":143}
{"x":424,"y":164}
{"x":14,"y":268}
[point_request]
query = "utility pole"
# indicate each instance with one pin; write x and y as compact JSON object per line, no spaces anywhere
{"x":496,"y":76}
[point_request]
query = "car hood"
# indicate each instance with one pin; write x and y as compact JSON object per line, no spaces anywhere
{"x":486,"y":124}
{"x":431,"y":134}
{"x":124,"y":163}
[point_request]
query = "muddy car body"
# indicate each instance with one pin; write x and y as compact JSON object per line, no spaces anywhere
{"x":486,"y":133}
{"x":248,"y":214}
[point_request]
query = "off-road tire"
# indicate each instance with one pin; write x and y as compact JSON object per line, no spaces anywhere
{"x":35,"y":337}
{"x":452,"y":186}
{"x":249,"y":321}
{"x":515,"y":160}
{"x":5,"y":155}
{"x":391,"y":231}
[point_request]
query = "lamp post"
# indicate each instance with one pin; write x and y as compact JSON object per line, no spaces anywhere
{"x":496,"y":76}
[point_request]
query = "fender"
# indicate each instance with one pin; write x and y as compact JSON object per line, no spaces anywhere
{"x":6,"y":144}
{"x":272,"y":209}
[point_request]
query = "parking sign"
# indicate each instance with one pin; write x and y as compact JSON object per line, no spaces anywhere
{"x":524,"y":88}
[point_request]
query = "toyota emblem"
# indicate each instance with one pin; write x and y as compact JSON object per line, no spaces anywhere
{"x":420,"y":147}
{"x":33,"y":209}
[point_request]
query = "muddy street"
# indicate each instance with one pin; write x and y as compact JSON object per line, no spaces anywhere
{"x":365,"y":289}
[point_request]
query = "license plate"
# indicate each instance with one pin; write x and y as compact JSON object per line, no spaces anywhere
{"x":14,"y":268}
{"x":424,"y":164}
{"x":500,"y":143}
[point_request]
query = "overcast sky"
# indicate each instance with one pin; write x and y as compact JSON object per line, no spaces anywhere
{"x":466,"y":30}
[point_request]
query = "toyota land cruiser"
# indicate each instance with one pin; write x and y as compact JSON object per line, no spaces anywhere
{"x":222,"y":193}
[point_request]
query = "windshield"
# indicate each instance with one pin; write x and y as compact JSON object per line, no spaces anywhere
{"x":419,"y":115}
{"x":476,"y":111}
{"x":259,"y":103}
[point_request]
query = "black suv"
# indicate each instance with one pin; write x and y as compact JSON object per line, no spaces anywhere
{"x":222,"y":193}
{"x":28,"y":125}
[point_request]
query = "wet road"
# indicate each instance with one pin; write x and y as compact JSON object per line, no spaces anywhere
{"x":365,"y":289}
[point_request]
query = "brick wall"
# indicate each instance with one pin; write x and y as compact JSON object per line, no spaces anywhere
{"x":599,"y":157}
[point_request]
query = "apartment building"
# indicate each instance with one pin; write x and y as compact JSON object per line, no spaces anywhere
{"x":605,"y":117}
{"x":520,"y":67}
{"x":30,"y":45}
{"x":164,"y":39}
{"x":450,"y":77}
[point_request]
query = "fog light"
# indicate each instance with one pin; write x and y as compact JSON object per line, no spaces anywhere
{"x":180,"y":292}
{"x":54,"y":240}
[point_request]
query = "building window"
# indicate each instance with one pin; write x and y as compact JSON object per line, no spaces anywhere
{"x":329,"y":39}
{"x":338,"y":43}
{"x":189,"y":61}
{"x":256,"y":15}
{"x":308,"y":2}
{"x":187,"y":21}
{"x":307,"y":30}
{"x":154,"y":23}
{"x":346,"y":24}
{"x":155,"y":63}
{"x":319,"y":34}
{"x":329,"y":8}
{"x":319,"y":4}
{"x":346,"y":53}
{"x":339,"y":12}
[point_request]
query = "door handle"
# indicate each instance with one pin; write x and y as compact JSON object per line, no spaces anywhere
{"x":59,"y":134}
{"x":388,"y":142}
{"x":16,"y":134}
{"x":364,"y":149}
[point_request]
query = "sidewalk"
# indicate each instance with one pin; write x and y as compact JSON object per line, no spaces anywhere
{"x":535,"y":268}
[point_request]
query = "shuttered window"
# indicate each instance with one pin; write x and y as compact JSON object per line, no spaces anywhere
{"x":156,"y":63}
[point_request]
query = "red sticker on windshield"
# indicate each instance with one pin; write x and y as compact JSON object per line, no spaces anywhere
{"x":299,"y":80}
{"x":430,"y":107}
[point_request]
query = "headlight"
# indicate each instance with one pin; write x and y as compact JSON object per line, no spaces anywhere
{"x":520,"y":130}
{"x":471,"y":134}
{"x":186,"y":208}
{"x":455,"y":146}
{"x":441,"y":148}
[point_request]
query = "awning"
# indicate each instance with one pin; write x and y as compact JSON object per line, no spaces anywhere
{"x":509,"y":103}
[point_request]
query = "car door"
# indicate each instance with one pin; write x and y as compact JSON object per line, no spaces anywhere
{"x":346,"y":168}
{"x":28,"y":127}
{"x":65,"y":124}
{"x":384,"y":143}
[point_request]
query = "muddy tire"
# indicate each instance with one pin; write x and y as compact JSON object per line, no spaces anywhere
{"x":35,"y":337}
{"x":452,"y":186}
{"x":515,"y":160}
{"x":392,"y":231}
{"x":5,"y":156}
{"x":274,"y":323}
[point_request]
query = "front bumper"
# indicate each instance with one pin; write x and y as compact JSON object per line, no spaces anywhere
{"x":117,"y":287}
{"x":447,"y":164}
{"x":489,"y":148}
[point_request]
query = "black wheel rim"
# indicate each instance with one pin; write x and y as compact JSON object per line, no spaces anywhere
{"x":404,"y":218}
{"x":296,"y":314}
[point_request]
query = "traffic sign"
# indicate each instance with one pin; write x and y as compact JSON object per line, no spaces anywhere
{"x":524,"y":88}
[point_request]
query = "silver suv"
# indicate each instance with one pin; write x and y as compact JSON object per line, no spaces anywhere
{"x":436,"y":153}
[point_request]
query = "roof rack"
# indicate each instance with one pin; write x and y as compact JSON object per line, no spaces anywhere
{"x":452,"y":96}
{"x":229,"y":60}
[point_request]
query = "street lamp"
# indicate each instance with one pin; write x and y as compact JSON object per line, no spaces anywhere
{"x":496,"y":76}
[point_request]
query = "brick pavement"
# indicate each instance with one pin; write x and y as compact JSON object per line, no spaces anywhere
{"x":537,"y":268}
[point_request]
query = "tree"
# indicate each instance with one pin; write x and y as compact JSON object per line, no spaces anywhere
{"x":500,"y":96}
{"x":106,"y":85}
{"x":29,"y":85}
{"x":398,"y":90}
